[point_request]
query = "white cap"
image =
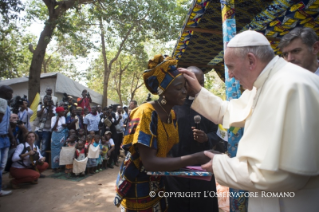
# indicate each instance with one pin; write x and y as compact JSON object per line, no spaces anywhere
{"x":248,"y":38}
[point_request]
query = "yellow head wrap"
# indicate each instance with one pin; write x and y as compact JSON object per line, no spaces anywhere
{"x":160,"y":74}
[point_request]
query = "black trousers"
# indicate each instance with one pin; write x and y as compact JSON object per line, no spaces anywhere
{"x":117,"y":144}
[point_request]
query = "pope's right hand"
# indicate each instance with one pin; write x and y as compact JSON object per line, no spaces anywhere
{"x":192,"y":81}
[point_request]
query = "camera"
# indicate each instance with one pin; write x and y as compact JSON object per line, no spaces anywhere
{"x":88,"y":94}
{"x":42,"y":122}
{"x":19,"y":122}
{"x":65,"y":97}
{"x":16,"y":102}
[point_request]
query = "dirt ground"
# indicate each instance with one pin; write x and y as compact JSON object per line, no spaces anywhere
{"x":95,"y":193}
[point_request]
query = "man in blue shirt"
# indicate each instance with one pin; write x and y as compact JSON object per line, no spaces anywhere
{"x":5,"y":132}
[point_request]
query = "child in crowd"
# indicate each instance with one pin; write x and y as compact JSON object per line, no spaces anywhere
{"x":87,"y":142}
{"x":80,"y":153}
{"x":99,"y":159}
{"x":81,"y":134}
{"x":91,"y":164}
{"x":72,"y":132}
{"x":110,"y":142}
{"x":71,"y":142}
{"x":105,"y":149}
{"x":92,"y":134}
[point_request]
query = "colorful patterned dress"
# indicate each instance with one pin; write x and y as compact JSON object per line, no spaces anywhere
{"x":133,"y":185}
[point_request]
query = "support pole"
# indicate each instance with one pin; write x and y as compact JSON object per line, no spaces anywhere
{"x":232,"y":92}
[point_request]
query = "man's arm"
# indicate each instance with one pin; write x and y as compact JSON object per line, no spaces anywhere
{"x":40,"y":112}
{"x":13,"y":140}
{"x":247,"y":176}
{"x":30,"y":112}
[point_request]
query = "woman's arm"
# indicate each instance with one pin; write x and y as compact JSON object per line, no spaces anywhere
{"x":153,"y":163}
{"x":17,"y":153}
{"x":54,"y":125}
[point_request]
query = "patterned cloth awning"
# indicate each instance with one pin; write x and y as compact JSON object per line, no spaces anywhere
{"x":201,"y":40}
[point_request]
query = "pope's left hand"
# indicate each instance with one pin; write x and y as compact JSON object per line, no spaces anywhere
{"x":209,"y":166}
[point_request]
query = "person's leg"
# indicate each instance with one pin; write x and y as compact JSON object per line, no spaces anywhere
{"x":3,"y":162}
{"x":43,"y":167}
{"x":45,"y":142}
{"x":39,"y":141}
{"x":23,"y":175}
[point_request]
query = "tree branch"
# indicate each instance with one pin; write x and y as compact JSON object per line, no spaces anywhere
{"x":31,"y":48}
{"x":121,"y":45}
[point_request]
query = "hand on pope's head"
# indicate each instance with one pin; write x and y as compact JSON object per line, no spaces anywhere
{"x":192,"y":83}
{"x":209,"y":166}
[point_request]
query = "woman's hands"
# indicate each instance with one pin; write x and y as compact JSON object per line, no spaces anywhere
{"x":31,"y":152}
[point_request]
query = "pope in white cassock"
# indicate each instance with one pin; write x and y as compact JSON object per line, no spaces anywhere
{"x":279,"y":110}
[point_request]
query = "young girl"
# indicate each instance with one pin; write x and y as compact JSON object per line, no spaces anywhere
{"x":111,"y":145}
{"x":99,"y":159}
{"x":105,"y":149}
{"x":70,"y":143}
{"x":91,"y":164}
{"x":80,"y":154}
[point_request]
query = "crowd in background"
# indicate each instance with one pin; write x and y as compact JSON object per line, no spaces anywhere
{"x":28,"y":147}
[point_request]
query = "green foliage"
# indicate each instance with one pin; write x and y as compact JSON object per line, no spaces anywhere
{"x":214,"y":84}
{"x":14,"y":53}
{"x":9,"y":9}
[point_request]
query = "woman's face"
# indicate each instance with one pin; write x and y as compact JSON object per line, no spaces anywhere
{"x":176,"y":93}
{"x":31,"y":138}
{"x":61,"y":113}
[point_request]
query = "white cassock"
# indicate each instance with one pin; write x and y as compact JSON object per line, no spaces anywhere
{"x":279,"y":150}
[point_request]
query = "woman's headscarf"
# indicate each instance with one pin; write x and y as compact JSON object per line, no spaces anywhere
{"x":160,"y":74}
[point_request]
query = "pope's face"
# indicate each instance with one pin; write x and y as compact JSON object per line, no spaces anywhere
{"x":238,"y":67}
{"x":299,"y":53}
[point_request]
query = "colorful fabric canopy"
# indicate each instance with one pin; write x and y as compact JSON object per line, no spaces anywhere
{"x":201,"y":40}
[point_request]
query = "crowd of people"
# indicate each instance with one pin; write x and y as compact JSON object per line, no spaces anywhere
{"x":27,"y":147}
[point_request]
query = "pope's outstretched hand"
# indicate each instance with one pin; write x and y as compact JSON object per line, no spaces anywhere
{"x":192,"y":81}
{"x":209,"y":166}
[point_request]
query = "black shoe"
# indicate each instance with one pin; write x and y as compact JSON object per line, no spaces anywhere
{"x":111,"y":166}
{"x":42,"y":176}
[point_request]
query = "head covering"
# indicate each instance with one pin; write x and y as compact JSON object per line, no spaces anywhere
{"x":108,"y":132}
{"x":70,"y":97}
{"x":78,"y":108}
{"x":248,"y":38}
{"x":59,"y":109}
{"x":160,"y":74}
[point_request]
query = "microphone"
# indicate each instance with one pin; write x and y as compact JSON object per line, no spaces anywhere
{"x":197,"y":119}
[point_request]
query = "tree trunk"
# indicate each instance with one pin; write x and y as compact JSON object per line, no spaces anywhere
{"x":106,"y":70}
{"x":37,"y":59}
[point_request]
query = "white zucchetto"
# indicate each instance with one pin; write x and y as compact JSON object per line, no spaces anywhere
{"x":248,"y":38}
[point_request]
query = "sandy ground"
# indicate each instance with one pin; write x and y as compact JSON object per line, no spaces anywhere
{"x":95,"y":193}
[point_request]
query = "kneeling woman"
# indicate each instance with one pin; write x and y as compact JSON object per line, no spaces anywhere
{"x":151,"y":133}
{"x":26,"y":159}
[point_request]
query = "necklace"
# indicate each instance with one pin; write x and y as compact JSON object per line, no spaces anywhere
{"x":168,"y":114}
